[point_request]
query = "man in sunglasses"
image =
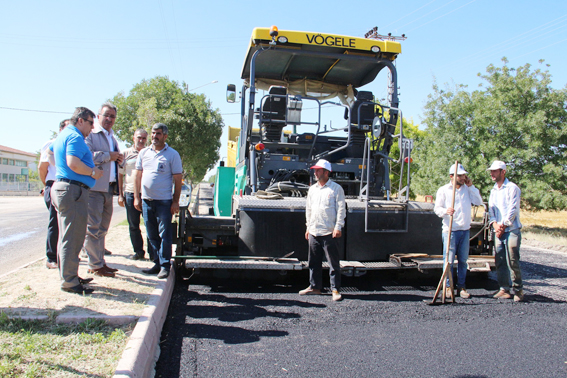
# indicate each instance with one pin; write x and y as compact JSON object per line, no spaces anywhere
{"x":76,"y":174}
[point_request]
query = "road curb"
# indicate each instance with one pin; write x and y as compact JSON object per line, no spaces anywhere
{"x":139,"y":357}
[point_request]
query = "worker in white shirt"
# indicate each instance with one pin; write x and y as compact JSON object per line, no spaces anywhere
{"x":466,"y":195}
{"x":504,"y":209}
{"x":325,"y":213}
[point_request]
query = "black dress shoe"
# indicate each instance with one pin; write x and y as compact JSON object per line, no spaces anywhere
{"x":84,"y":281}
{"x":79,"y":289}
{"x":137,"y":256}
{"x":153,"y":270}
{"x":107,"y":252}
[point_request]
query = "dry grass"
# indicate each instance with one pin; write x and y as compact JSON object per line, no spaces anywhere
{"x":546,"y":226}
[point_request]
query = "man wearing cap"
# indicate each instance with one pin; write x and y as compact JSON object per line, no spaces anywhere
{"x":504,"y":210}
{"x":158,"y":167}
{"x":76,"y":174}
{"x":466,"y":195}
{"x":325,"y":213}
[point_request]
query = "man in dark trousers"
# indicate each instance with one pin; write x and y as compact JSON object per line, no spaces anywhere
{"x":76,"y":174}
{"x":126,"y":183}
{"x":157,"y":169}
{"x":325,"y":213}
{"x":46,"y":170}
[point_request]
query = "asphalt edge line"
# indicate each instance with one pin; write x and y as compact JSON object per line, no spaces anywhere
{"x":22,"y":267}
{"x":139,"y":356}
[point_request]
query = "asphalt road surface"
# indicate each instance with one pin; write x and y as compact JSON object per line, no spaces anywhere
{"x":23,"y":229}
{"x":383,"y":328}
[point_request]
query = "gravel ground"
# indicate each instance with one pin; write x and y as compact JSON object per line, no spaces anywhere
{"x":35,"y":290}
{"x":383,"y":327}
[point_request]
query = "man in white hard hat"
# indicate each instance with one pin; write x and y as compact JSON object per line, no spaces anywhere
{"x":466,"y":195}
{"x":504,"y":209}
{"x":325,"y":213}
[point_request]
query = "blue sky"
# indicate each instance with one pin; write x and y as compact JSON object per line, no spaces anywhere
{"x":59,"y":55}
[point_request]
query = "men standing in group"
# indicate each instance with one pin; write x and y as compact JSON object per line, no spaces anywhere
{"x":504,"y":209}
{"x":46,"y":170}
{"x":76,"y":173}
{"x":157,"y":168}
{"x":106,"y":156}
{"x":325,"y":213}
{"x":126,"y":183}
{"x":466,"y":195}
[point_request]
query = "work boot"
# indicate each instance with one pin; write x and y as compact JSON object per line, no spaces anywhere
{"x":463,"y":293}
{"x":310,"y":291}
{"x":503,"y":294}
{"x":519,"y":296}
{"x":102,"y":272}
{"x":163,"y":273}
{"x":153,"y":270}
{"x":336,"y":295}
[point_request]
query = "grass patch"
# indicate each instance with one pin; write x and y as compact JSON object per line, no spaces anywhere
{"x":46,"y":349}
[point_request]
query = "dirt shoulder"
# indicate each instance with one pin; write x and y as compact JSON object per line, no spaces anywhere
{"x":541,"y":244}
{"x":35,"y":290}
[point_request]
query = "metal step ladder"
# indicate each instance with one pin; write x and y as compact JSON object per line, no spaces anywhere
{"x":364,"y":195}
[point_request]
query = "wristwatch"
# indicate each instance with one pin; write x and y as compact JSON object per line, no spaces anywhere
{"x":93,"y":173}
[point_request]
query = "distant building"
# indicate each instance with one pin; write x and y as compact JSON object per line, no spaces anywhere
{"x":15,"y":165}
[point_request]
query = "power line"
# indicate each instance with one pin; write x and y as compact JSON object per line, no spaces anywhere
{"x":34,"y":110}
{"x":435,"y":19}
{"x":427,"y":14}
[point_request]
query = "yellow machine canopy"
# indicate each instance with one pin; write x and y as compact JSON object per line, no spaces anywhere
{"x":326,"y":59}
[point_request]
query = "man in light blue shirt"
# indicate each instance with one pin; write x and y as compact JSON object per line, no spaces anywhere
{"x":504,"y":209}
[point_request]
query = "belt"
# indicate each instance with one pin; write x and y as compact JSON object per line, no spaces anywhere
{"x":49,"y":182}
{"x":73,"y":182}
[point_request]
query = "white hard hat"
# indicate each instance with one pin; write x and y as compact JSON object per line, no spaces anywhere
{"x":323,"y":164}
{"x":460,"y":170}
{"x":497,"y":164}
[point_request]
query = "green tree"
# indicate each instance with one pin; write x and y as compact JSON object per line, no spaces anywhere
{"x":194,"y":127}
{"x":517,"y":118}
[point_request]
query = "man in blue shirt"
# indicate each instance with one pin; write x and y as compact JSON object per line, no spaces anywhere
{"x":157,"y":168}
{"x":75,"y":176}
{"x":504,"y":209}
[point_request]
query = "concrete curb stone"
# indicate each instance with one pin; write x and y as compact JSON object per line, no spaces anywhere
{"x":139,"y":357}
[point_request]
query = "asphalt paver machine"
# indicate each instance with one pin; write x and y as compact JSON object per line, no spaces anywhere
{"x":310,"y":96}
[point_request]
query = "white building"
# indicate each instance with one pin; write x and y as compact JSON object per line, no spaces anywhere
{"x":15,"y":165}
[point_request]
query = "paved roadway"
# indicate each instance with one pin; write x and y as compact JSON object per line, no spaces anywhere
{"x":23,"y":229}
{"x":383,"y":328}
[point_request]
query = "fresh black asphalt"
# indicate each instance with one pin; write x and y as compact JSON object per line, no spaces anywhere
{"x":235,"y":327}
